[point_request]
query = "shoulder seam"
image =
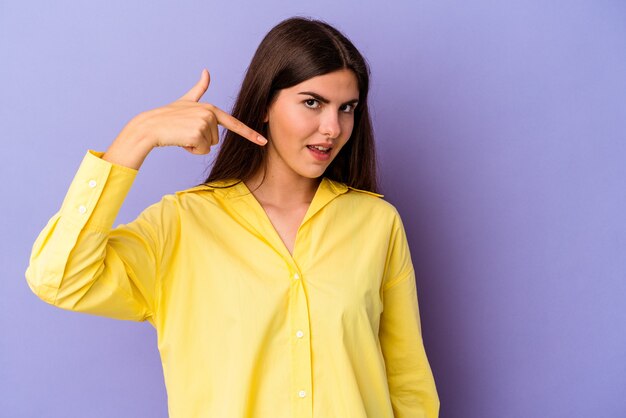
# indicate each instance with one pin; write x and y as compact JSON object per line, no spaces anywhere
{"x":366,"y":191}
{"x":195,"y":189}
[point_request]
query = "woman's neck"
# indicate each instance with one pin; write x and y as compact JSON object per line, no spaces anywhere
{"x":284,"y":191}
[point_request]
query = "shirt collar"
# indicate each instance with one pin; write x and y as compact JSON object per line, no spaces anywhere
{"x":238,"y":188}
{"x":327,"y":187}
{"x":326,"y":191}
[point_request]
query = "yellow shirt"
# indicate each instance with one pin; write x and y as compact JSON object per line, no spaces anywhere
{"x":244,"y":328}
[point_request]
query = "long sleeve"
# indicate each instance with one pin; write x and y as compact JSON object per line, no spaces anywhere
{"x":78,"y":262}
{"x":410,"y":379}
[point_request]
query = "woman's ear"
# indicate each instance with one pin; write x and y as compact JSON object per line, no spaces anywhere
{"x":267,"y":118}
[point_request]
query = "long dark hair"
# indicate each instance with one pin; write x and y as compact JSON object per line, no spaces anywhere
{"x":294,"y":51}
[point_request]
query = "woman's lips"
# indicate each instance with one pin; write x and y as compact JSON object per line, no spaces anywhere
{"x":319,"y":155}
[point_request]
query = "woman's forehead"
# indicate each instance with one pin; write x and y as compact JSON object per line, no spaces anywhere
{"x":341,"y":85}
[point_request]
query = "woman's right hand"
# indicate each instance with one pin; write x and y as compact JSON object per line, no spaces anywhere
{"x":185,"y":123}
{"x":189,"y":124}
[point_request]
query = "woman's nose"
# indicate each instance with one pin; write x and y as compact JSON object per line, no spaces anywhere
{"x":329,"y":124}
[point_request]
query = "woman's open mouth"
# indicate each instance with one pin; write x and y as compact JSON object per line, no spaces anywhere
{"x":318,"y":152}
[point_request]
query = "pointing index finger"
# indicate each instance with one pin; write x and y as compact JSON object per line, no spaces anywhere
{"x":233,"y":124}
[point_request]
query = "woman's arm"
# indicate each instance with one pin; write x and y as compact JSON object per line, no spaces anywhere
{"x":79,"y":262}
{"x":409,"y":376}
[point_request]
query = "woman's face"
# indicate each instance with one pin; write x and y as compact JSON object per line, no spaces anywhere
{"x":299,"y":118}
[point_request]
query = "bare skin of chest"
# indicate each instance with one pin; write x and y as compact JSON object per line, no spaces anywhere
{"x":286,"y":222}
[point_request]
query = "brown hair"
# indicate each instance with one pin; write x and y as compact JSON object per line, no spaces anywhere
{"x":294,"y":51}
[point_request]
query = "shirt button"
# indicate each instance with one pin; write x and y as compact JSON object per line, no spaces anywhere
{"x":302,"y":394}
{"x":299,"y":334}
{"x":92,"y":183}
{"x":82,"y":209}
{"x":296,"y":276}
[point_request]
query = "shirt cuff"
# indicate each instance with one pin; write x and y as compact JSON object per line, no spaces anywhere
{"x":97,"y":192}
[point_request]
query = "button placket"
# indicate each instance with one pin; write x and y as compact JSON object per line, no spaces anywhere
{"x":300,"y":348}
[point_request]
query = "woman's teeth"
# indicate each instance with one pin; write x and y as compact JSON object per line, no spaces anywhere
{"x":319,"y":148}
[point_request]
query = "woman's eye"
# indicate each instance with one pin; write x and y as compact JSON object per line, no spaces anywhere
{"x":309,"y":103}
{"x":311,"y":100}
{"x":351,"y":107}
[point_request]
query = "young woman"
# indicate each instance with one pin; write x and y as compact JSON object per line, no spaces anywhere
{"x":283,"y":285}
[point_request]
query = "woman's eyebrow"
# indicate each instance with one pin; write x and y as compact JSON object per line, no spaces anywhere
{"x":325,"y":100}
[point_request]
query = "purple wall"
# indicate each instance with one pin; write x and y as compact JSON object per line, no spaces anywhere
{"x":501,"y":130}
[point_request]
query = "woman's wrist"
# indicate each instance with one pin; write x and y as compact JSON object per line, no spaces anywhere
{"x":130,"y":148}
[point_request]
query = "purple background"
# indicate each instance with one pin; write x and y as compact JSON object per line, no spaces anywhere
{"x":501,"y":132}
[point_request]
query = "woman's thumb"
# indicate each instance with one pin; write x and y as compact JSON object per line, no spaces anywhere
{"x":197,"y":91}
